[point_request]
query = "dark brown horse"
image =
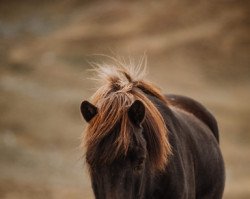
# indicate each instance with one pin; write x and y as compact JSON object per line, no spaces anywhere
{"x":141,"y":144}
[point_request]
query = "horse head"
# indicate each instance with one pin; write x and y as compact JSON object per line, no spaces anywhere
{"x":120,"y":175}
{"x":126,"y":138}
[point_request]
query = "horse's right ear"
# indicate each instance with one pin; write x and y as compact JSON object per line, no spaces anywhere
{"x":88,"y":110}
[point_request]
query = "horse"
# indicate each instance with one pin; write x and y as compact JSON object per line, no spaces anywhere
{"x":142,"y":144}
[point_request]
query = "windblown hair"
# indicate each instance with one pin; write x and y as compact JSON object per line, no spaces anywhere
{"x":121,"y":86}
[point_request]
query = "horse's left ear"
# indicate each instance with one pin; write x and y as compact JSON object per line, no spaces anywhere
{"x":136,"y":112}
{"x":88,"y":110}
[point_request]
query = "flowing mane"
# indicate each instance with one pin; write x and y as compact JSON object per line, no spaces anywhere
{"x":121,"y":86}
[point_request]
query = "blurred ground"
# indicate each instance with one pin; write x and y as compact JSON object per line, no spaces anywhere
{"x":195,"y":48}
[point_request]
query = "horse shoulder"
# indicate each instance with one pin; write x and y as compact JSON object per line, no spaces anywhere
{"x":195,"y":108}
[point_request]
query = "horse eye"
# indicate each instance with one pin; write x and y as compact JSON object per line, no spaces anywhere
{"x":141,"y":160}
{"x":139,"y":164}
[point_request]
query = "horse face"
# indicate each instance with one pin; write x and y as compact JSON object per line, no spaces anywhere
{"x":125,"y":176}
{"x":122,"y":179}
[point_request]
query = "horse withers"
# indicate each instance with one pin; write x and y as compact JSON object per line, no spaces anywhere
{"x":141,"y":144}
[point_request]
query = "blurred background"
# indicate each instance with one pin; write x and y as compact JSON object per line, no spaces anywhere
{"x":194,"y":48}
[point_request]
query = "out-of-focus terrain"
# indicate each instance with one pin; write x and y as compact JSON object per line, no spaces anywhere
{"x":195,"y":48}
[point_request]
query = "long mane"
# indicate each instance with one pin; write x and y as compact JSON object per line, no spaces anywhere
{"x":121,"y":85}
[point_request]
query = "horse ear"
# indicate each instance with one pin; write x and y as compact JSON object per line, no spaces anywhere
{"x":88,"y":110}
{"x":136,"y":112}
